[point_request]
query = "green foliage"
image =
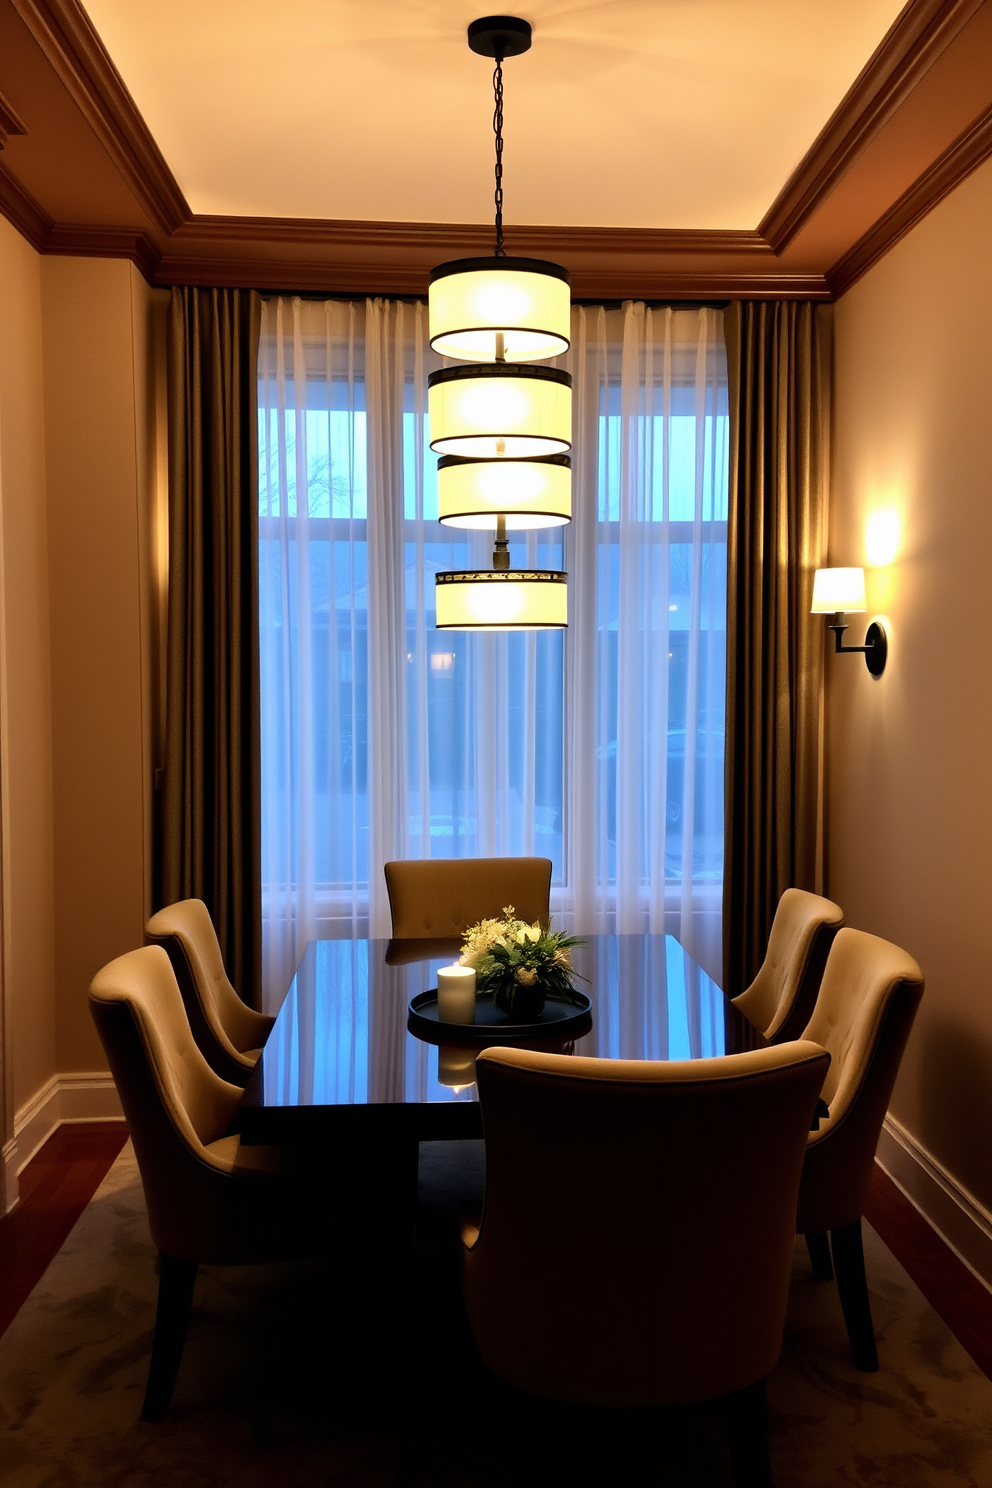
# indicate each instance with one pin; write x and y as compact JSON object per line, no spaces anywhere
{"x":521,"y":964}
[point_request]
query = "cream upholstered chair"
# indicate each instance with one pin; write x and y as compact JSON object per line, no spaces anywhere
{"x":868,"y":1000}
{"x":626,"y":1177}
{"x":228,"y":1033}
{"x":441,"y":897}
{"x":780,"y":1000}
{"x":209,"y":1199}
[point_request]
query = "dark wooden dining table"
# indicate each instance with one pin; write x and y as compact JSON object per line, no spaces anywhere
{"x":344,"y":1079}
{"x":342,"y":1064}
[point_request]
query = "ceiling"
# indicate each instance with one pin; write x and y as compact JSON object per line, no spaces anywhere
{"x":625,"y":113}
{"x":659,"y":149}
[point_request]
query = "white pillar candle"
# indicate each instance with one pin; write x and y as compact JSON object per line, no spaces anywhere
{"x":456,"y":994}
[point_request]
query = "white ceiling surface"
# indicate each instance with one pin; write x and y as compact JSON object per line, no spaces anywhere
{"x":625,"y":113}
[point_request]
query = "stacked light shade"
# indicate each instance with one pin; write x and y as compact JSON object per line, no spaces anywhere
{"x":503,"y":429}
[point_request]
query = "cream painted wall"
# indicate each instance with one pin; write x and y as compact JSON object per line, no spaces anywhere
{"x":103,"y":328}
{"x":909,"y":756}
{"x":25,"y":684}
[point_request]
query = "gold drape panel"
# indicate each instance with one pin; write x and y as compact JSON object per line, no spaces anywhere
{"x":211,"y":816}
{"x":778,"y":370}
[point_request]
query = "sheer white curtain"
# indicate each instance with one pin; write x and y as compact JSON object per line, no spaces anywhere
{"x":381,"y":737}
{"x":646,"y":654}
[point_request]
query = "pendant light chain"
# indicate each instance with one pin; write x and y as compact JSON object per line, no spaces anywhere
{"x":500,"y":251}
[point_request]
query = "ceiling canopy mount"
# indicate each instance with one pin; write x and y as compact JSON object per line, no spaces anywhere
{"x":499,"y":36}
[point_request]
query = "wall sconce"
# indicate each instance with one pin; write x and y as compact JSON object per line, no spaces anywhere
{"x":840,"y":592}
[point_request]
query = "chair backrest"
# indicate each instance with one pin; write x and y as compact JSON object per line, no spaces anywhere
{"x":205,"y":1201}
{"x":440,"y":897}
{"x":636,"y":1241}
{"x":174,"y":1104}
{"x":218,"y":1017}
{"x":780,"y":1000}
{"x":868,"y":999}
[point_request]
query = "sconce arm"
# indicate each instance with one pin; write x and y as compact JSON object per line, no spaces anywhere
{"x":875,"y":650}
{"x":840,"y":649}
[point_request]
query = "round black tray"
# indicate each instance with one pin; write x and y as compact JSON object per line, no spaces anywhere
{"x":557,"y":1020}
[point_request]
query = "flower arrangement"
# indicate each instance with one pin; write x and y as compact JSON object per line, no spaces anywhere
{"x":520,"y":963}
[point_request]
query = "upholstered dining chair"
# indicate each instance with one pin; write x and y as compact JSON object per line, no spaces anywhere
{"x":868,"y":1000}
{"x":626,"y":1177}
{"x":229,"y":1034}
{"x":441,"y":897}
{"x":780,"y":1000}
{"x":210,"y":1199}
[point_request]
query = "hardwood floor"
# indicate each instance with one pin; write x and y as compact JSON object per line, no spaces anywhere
{"x":55,"y":1188}
{"x":953,"y":1291}
{"x":59,"y":1182}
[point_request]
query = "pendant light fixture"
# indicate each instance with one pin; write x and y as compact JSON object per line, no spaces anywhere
{"x":500,"y":409}
{"x":528,"y":493}
{"x":502,"y":425}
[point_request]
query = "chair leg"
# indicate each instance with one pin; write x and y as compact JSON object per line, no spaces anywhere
{"x":747,"y":1432}
{"x":819,"y":1254}
{"x":176,"y":1279}
{"x":852,"y":1284}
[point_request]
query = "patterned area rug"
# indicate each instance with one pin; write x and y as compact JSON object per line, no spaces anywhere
{"x":266,"y":1395}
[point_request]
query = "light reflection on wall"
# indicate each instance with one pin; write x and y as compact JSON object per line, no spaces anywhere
{"x":883,"y":534}
{"x":883,"y":531}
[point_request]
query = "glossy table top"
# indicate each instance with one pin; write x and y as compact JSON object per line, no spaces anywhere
{"x":340,"y":1052}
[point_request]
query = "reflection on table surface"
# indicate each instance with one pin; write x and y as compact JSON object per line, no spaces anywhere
{"x":341,"y":1036}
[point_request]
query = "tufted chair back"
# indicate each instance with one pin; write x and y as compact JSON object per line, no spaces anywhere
{"x":228,"y":1033}
{"x":868,"y":999}
{"x":209,"y":1199}
{"x":780,"y":1000}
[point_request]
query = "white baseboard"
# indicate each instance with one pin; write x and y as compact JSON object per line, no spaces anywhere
{"x":960,"y":1219}
{"x":87,"y":1095}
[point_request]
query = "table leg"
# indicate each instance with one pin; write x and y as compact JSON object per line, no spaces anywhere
{"x":374,"y":1204}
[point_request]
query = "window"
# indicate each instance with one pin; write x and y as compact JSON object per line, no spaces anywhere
{"x":601,"y":748}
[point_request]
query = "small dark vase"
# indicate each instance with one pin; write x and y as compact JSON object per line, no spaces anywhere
{"x":519,"y":1003}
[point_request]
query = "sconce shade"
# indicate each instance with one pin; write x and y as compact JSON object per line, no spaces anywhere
{"x":528,"y":493}
{"x":472,"y":300}
{"x":501,"y":599}
{"x":489,"y":411}
{"x":838,"y":591}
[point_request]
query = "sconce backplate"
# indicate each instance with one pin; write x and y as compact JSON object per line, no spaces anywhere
{"x":876,"y":648}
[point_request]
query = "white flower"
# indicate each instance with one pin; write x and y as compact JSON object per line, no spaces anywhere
{"x":534,"y":932}
{"x":526,"y":976}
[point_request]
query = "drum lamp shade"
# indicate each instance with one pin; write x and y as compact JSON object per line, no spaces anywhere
{"x":475,"y":301}
{"x":528,"y":493}
{"x":500,"y":410}
{"x":509,"y":599}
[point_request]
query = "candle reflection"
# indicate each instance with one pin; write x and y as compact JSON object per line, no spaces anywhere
{"x":455,"y":1067}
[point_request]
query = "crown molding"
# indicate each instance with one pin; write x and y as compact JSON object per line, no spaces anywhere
{"x":84,"y":241}
{"x":75,"y":240}
{"x":968,"y":151}
{"x":20,"y":208}
{"x":464,"y":237}
{"x":908,"y":50}
{"x":72,"y":47}
{"x":390,"y":258}
{"x":366,"y":277}
{"x":10,"y":123}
